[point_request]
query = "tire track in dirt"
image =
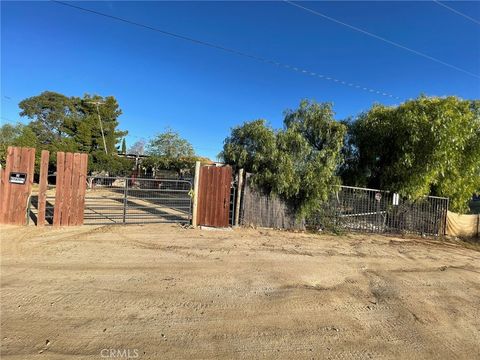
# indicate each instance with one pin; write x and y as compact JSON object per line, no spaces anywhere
{"x":176,"y":293}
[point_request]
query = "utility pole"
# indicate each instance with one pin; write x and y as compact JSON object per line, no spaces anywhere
{"x":100,"y":121}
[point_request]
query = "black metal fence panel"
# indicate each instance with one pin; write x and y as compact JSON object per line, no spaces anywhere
{"x":379,"y":211}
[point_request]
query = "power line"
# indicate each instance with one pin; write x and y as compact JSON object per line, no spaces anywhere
{"x":382,"y":39}
{"x":457,"y":12}
{"x":232,"y":51}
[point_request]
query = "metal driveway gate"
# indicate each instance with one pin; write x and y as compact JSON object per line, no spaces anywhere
{"x":114,"y":200}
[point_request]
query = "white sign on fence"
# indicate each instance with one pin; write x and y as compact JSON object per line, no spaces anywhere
{"x":396,"y":199}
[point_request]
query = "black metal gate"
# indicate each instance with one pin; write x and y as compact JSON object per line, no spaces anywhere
{"x":130,"y":200}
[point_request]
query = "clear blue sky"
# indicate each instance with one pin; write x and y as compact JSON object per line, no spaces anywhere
{"x":160,"y":81}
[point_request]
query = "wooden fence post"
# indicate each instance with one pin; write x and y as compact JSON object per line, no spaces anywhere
{"x":70,"y":189}
{"x":42,"y":188}
{"x":82,"y":188}
{"x":239,"y":197}
{"x":195,"y":194}
{"x":67,"y":190}
{"x":10,"y":215}
{"x":59,"y":188}
{"x":16,"y":187}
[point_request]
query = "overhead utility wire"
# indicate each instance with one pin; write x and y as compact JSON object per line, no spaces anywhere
{"x":457,"y":12}
{"x":382,"y":39}
{"x":230,"y":50}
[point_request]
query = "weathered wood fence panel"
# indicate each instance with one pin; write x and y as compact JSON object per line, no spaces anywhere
{"x":214,"y":196}
{"x":42,"y":188}
{"x":70,"y":189}
{"x":260,"y":210}
{"x":16,"y":187}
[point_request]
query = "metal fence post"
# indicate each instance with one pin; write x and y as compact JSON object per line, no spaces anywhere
{"x":446,"y":218}
{"x":378,"y":216}
{"x":125,"y":200}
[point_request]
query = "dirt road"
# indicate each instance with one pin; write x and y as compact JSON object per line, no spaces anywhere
{"x":163,"y":292}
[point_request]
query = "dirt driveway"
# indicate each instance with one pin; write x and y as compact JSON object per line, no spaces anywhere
{"x":164,"y":292}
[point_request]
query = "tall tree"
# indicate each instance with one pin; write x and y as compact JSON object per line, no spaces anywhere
{"x":253,"y":147}
{"x":62,"y":123}
{"x":74,"y":123}
{"x":170,"y":145}
{"x":50,"y":112}
{"x":124,"y":146}
{"x":310,"y":148}
{"x":86,"y":127}
{"x":299,"y":162}
{"x":425,"y":146}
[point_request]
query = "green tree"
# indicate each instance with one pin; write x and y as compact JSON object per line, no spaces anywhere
{"x":253,"y":147}
{"x":84,"y":127}
{"x":425,"y":146}
{"x":112,"y":164}
{"x":170,"y":145}
{"x":184,"y":165}
{"x":124,"y":146}
{"x":15,"y":135}
{"x":49,"y":113}
{"x":310,"y":154}
{"x":299,"y":162}
{"x":62,"y":123}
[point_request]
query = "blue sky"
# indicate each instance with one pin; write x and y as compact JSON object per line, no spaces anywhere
{"x":202,"y":92}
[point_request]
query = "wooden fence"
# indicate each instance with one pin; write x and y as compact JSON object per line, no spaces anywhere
{"x":70,"y":189}
{"x":42,"y":188}
{"x":260,"y":210}
{"x":214,"y":195}
{"x":16,"y":185}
